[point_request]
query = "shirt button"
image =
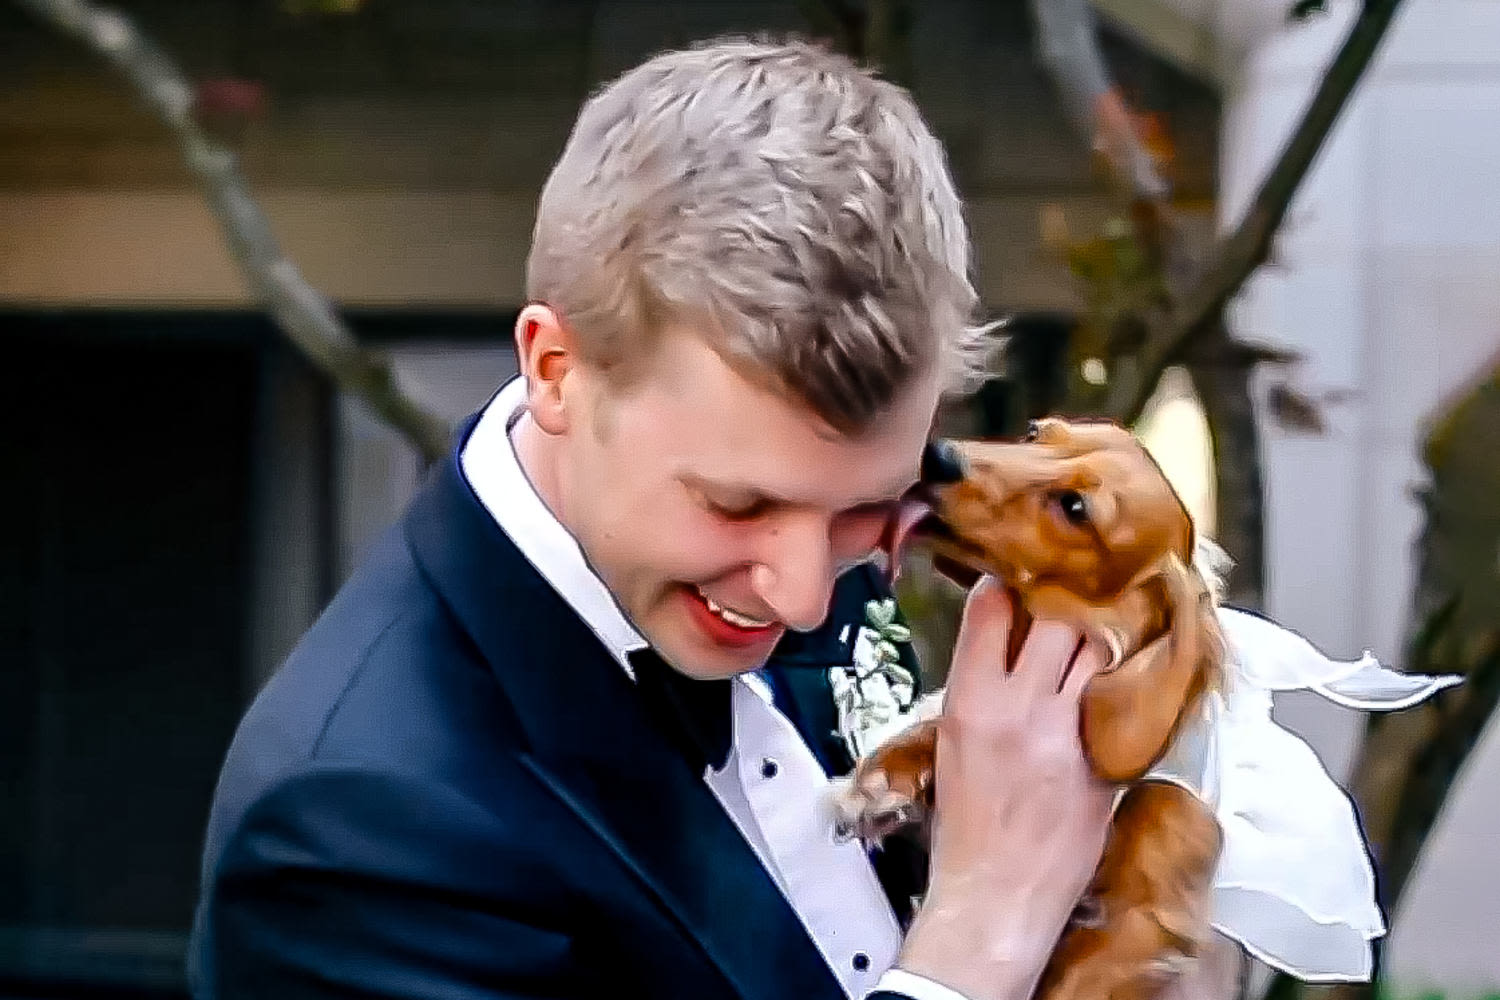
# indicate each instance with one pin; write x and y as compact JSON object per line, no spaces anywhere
{"x":861,"y":961}
{"x":769,"y":767}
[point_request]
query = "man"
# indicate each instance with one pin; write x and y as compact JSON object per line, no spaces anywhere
{"x":529,"y":750}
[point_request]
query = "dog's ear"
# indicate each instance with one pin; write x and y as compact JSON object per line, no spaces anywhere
{"x":1130,"y":715}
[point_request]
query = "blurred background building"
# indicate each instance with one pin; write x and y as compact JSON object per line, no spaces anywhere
{"x":184,"y":491}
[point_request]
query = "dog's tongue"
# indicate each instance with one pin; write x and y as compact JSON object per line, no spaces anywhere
{"x":909,"y":513}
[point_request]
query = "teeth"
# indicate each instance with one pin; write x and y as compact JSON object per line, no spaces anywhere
{"x":732,"y":617}
{"x":735,"y":618}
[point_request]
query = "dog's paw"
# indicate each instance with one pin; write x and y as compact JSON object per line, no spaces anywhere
{"x":866,"y":807}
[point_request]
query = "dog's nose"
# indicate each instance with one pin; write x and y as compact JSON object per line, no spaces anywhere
{"x":941,"y":464}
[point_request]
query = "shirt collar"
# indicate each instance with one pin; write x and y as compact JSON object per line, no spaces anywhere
{"x":495,"y":475}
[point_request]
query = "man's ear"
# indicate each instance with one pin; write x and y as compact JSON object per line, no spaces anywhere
{"x":547,"y":354}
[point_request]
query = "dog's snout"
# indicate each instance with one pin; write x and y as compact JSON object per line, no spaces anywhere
{"x":941,"y":464}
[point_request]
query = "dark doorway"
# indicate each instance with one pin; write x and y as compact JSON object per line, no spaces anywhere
{"x":132,"y":470}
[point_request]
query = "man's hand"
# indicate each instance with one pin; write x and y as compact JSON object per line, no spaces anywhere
{"x":1020,"y":820}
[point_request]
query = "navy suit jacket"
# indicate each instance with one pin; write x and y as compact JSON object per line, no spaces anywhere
{"x":451,"y":789}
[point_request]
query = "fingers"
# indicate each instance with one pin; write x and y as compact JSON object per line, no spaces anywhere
{"x":1049,"y":649}
{"x":1055,"y":659}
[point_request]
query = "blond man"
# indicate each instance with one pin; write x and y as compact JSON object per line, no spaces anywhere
{"x":566,"y":733}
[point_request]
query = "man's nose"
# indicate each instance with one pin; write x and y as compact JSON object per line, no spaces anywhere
{"x":796,"y":579}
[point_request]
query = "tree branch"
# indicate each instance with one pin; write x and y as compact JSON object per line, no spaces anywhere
{"x":1238,"y":256}
{"x":1433,"y":772}
{"x":304,"y":315}
{"x":1222,"y":383}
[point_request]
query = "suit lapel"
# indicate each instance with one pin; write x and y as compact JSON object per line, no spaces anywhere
{"x":595,"y":746}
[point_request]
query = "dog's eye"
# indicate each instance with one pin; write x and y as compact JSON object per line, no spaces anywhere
{"x":1074,"y":506}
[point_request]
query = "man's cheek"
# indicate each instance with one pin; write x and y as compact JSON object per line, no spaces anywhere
{"x":707,"y":548}
{"x":858,"y":538}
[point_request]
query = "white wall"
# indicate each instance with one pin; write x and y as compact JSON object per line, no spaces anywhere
{"x":1388,"y":279}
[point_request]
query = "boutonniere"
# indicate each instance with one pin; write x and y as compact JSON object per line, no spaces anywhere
{"x":875,"y":691}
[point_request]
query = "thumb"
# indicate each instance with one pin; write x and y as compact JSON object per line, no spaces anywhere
{"x":983,"y":637}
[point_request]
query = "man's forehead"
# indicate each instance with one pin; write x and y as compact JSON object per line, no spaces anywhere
{"x":739,"y":432}
{"x":825,"y":481}
{"x":838,"y":472}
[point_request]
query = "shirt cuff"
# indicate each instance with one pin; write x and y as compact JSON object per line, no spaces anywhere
{"x":915,"y":986}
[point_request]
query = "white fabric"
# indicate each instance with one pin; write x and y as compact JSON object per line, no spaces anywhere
{"x":1295,"y":884}
{"x":832,"y":887}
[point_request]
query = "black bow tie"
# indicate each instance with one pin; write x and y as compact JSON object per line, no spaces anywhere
{"x":697,"y":715}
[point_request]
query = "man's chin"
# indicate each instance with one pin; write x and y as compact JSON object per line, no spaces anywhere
{"x":723,"y":672}
{"x":703,"y":661}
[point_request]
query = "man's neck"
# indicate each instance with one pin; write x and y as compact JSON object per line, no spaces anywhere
{"x":536,"y":456}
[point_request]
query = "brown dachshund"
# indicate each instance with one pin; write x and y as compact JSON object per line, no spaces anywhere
{"x":1081,"y":526}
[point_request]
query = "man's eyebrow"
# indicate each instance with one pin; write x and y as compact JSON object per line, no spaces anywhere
{"x":752,"y":492}
{"x":756,"y":494}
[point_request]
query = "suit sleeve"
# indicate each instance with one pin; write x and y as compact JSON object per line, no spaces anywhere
{"x":341,"y":882}
{"x":348,"y":883}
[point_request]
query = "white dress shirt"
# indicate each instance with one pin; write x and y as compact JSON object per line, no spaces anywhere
{"x":771,"y":786}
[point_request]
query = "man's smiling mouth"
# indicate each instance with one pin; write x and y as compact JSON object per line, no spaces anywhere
{"x":735,"y":618}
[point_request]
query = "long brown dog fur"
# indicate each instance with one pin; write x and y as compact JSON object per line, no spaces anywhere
{"x":1080,"y":524}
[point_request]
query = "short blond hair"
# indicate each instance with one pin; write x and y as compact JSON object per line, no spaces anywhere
{"x":776,"y":196}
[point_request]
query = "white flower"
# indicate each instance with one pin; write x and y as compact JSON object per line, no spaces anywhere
{"x":874,"y":693}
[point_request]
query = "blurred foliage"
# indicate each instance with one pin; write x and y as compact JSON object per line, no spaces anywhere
{"x":1124,"y":287}
{"x":876,"y":33}
{"x":933,"y":605}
